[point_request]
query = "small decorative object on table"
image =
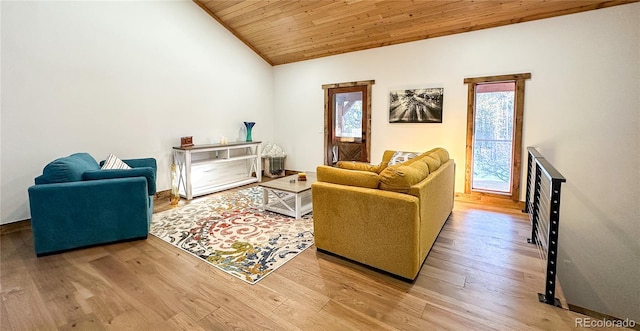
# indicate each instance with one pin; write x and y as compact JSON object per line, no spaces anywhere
{"x":249,"y":126}
{"x":302,"y":177}
{"x":223,"y":140}
{"x":273,"y":160}
{"x":186,"y":141}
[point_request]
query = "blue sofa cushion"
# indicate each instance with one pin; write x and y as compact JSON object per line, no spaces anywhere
{"x":146,"y":172}
{"x":67,"y":169}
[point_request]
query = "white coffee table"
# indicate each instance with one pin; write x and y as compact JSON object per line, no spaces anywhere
{"x":292,"y":197}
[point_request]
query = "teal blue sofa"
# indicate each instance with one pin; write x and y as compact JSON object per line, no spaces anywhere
{"x":76,"y":204}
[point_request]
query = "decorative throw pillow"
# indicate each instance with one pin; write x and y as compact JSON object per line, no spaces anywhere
{"x":113,"y":162}
{"x":400,"y":157}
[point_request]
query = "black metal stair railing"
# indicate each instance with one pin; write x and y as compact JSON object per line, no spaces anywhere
{"x":542,"y":203}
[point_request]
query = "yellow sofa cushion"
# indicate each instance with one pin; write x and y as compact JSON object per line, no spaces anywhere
{"x":340,"y":176}
{"x":400,"y":177}
{"x":441,"y":152}
{"x":354,"y":165}
{"x":432,"y":160}
{"x":397,"y":178}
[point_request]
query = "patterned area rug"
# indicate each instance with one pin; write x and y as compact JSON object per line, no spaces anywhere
{"x":233,"y":234}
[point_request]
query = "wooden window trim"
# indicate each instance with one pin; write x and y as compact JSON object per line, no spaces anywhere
{"x":516,"y":166}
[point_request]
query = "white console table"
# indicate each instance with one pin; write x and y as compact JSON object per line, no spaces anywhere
{"x":204,"y":169}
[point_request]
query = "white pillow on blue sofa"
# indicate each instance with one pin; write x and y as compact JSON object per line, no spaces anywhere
{"x":113,"y":162}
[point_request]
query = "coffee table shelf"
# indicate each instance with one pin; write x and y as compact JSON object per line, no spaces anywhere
{"x":292,"y":197}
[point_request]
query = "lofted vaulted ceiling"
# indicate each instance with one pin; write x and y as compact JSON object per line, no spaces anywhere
{"x":285,"y":31}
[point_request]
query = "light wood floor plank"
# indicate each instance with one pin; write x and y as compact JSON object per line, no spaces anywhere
{"x":85,"y":322}
{"x":24,"y":305}
{"x":125,"y":283}
{"x":181,"y":321}
{"x":352,"y":319}
{"x":184,"y":299}
{"x":295,"y":291}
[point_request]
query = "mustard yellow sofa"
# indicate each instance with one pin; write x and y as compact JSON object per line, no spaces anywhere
{"x":384,"y":216}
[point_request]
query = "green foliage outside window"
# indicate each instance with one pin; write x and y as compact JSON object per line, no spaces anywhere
{"x":493,"y":136}
{"x":352,"y":121}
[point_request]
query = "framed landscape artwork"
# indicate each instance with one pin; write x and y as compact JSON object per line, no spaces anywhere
{"x":416,"y":106}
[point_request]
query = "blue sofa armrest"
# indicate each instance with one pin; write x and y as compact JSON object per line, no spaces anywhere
{"x":138,"y":163}
{"x":146,"y":172}
{"x":77,"y":214}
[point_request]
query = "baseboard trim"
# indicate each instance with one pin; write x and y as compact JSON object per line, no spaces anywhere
{"x":600,"y":316}
{"x":15,"y":226}
{"x":489,"y":200}
{"x":162,"y":195}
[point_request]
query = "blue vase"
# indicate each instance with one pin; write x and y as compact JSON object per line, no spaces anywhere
{"x":249,"y":126}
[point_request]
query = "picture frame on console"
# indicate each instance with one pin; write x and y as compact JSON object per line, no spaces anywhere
{"x":421,"y":105}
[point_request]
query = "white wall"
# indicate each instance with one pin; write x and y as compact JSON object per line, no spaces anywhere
{"x":581,"y":111}
{"x":121,"y":77}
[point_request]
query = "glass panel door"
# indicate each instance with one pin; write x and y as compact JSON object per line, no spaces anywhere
{"x":348,"y":116}
{"x":493,"y":136}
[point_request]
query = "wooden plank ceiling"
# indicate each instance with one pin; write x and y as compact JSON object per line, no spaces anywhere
{"x":285,"y":31}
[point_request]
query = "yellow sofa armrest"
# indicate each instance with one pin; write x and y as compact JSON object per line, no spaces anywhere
{"x":347,"y":177}
{"x":436,"y":195}
{"x":371,"y":226}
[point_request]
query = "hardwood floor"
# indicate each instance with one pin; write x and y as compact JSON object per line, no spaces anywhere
{"x":480,"y":275}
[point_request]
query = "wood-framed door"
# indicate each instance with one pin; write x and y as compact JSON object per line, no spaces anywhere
{"x":347,"y":124}
{"x":494,"y":140}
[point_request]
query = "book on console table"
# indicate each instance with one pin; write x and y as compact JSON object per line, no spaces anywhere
{"x":229,"y":144}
